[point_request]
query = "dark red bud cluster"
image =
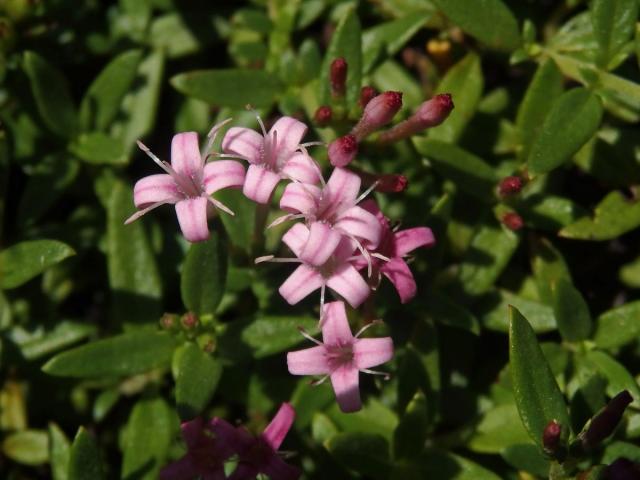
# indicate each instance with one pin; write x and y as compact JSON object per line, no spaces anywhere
{"x":323,"y":115}
{"x":512,"y":221}
{"x":510,"y":186}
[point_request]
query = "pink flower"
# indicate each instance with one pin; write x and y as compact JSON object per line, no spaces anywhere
{"x":260,"y":454}
{"x":208,"y":447}
{"x":388,"y":258}
{"x":273,"y":156}
{"x":331,"y":213}
{"x":342,"y":356}
{"x":188,"y":184}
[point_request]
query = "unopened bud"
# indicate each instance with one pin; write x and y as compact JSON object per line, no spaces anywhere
{"x":510,"y":186}
{"x":623,"y":469}
{"x":189,"y":320}
{"x":342,"y":150}
{"x":512,"y":221}
{"x":551,"y":437}
{"x":366,"y":94}
{"x":379,"y":111}
{"x":392,"y":183}
{"x":605,"y":421}
{"x":168,"y":321}
{"x":338,"y":77}
{"x":323,"y":115}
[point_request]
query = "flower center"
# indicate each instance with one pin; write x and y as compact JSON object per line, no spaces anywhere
{"x":339,"y":355}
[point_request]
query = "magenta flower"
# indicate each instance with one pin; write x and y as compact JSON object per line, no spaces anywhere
{"x":260,"y":454}
{"x":341,"y":357}
{"x":188,"y":184}
{"x":331,"y":213}
{"x":388,"y":258}
{"x":272,"y":156}
{"x":208,"y":447}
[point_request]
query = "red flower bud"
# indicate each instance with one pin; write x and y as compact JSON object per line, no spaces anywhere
{"x":338,"y":77}
{"x":342,"y":150}
{"x":392,"y":183}
{"x":551,"y":437}
{"x":323,"y":115}
{"x":189,"y":320}
{"x":379,"y":111}
{"x":605,"y":421}
{"x":512,"y":221}
{"x":366,"y":94}
{"x":510,"y":186}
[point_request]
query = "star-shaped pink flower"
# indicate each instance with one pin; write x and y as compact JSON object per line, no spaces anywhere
{"x":342,"y":356}
{"x":274,"y":155}
{"x":188,"y":183}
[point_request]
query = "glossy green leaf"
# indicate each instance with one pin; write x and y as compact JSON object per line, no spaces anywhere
{"x":444,"y":465}
{"x":545,"y":87}
{"x":307,"y":401}
{"x":104,"y":403}
{"x":469,"y":172}
{"x":125,"y":354}
{"x":204,"y":274}
{"x":363,"y":452}
{"x":29,"y":447}
{"x":528,"y":458}
{"x":548,"y":267}
{"x":182,"y":33}
{"x":490,"y":21}
{"x":149,"y":433}
{"x":411,"y":433}
{"x":617,"y":375}
{"x":99,"y":149}
{"x":59,"y":452}
{"x":612,"y":217}
{"x":465,"y":82}
{"x":103,"y":98}
{"x":374,"y":418}
{"x":571,"y":311}
{"x":51,"y":93}
{"x":25,"y":260}
{"x":198,"y":374}
{"x":65,"y":333}
{"x":133,"y":273}
{"x":230,"y":88}
{"x":346,"y":43}
{"x":85,"y":462}
{"x":613,"y":24}
{"x":498,"y":428}
{"x":322,"y":428}
{"x":619,"y":326}
{"x":537,"y":395}
{"x":495,"y":304}
{"x":241,"y":227}
{"x":572,"y":120}
{"x":393,"y":76}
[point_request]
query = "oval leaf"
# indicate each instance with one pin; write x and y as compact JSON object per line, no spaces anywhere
{"x":85,"y":462}
{"x":571,"y":311}
{"x":619,"y":326}
{"x":613,"y":24}
{"x":59,"y":452}
{"x":367,"y":453}
{"x":196,"y":381}
{"x":29,"y":447}
{"x":98,"y":148}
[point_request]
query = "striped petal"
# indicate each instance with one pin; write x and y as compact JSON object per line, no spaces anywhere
{"x":300,"y":283}
{"x":302,"y":168}
{"x":289,"y":134}
{"x":222,"y":174}
{"x":154,"y":189}
{"x":347,"y":282}
{"x":335,"y":326}
{"x":259,"y":184}
{"x":400,"y":275}
{"x":310,"y":361}
{"x":321,"y":243}
{"x":408,"y":240}
{"x":340,"y":192}
{"x":296,"y":238}
{"x":300,"y":198}
{"x":192,"y":217}
{"x":369,"y":352}
{"x":185,"y":155}
{"x":244,"y":142}
{"x":359,"y":223}
{"x":345,"y":383}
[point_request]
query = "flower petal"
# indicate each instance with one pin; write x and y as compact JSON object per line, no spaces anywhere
{"x":229,"y":440}
{"x":400,"y":275}
{"x":277,"y":468}
{"x":217,"y":475}
{"x":300,"y":283}
{"x":244,"y":471}
{"x":300,"y":198}
{"x":192,"y":216}
{"x":321,"y":243}
{"x":371,"y":206}
{"x":259,"y":183}
{"x":347,"y":282}
{"x":335,"y":326}
{"x":340,"y":192}
{"x":345,"y":383}
{"x":361,"y":224}
{"x":290,"y":133}
{"x":310,"y":361}
{"x":179,"y":470}
{"x":185,"y":155}
{"x":154,"y":189}
{"x":412,"y":238}
{"x":279,"y":426}
{"x":192,"y":432}
{"x":222,"y":174}
{"x":296,"y":238}
{"x":244,"y":142}
{"x":369,"y":352}
{"x":301,"y":167}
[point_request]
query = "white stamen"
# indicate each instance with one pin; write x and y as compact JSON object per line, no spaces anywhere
{"x":264,"y":130}
{"x":272,"y":259}
{"x":284,"y":218}
{"x":304,"y":333}
{"x":367,"y":326}
{"x":364,"y":252}
{"x":163,"y":165}
{"x":232,"y":156}
{"x":140,"y":213}
{"x":218,"y":204}
{"x":212,"y":136}
{"x":322,"y":293}
{"x":367,"y":192}
{"x":381,"y":257}
{"x":375,"y":372}
{"x":320,"y":381}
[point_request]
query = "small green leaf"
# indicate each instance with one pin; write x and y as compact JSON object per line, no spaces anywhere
{"x":537,"y":395}
{"x":182,"y":33}
{"x":464,"y":81}
{"x":202,"y":283}
{"x":629,"y":273}
{"x":85,"y":462}
{"x":374,"y":418}
{"x":63,"y":334}
{"x":365,"y":453}
{"x":447,"y":312}
{"x":618,"y":377}
{"x":51,"y":93}
{"x":619,"y":326}
{"x":528,"y":458}
{"x":125,"y":354}
{"x":540,"y":316}
{"x":548,"y":266}
{"x":572,"y":120}
{"x":104,"y":403}
{"x":346,"y":43}
{"x":234,"y":88}
{"x":29,"y":447}
{"x":549,"y":212}
{"x":322,"y":428}
{"x":198,"y":374}
{"x":393,"y":76}
{"x":59,"y":451}
{"x":490,"y":21}
{"x":613,"y":24}
{"x":98,"y":149}
{"x":26,"y":260}
{"x":411,"y":433}
{"x":241,"y":227}
{"x":571,"y":311}
{"x":498,"y":428}
{"x":149,"y":433}
{"x":441,"y":465}
{"x":103,"y":98}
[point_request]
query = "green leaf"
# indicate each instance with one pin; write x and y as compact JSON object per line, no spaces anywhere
{"x":549,"y":212}
{"x":98,"y":149}
{"x":103,"y":98}
{"x":528,"y":458}
{"x":26,"y":260}
{"x":573,"y":119}
{"x":465,"y":82}
{"x":613,"y":24}
{"x":548,"y":267}
{"x":149,"y":433}
{"x":182,"y":33}
{"x":447,"y":466}
{"x":121,"y":355}
{"x":612,"y":217}
{"x":198,"y":374}
{"x":63,"y":334}
{"x":346,"y":43}
{"x":618,"y":377}
{"x":543,"y":90}
{"x":470,"y":173}
{"x":85,"y":462}
{"x":447,"y":312}
{"x":619,"y":326}
{"x":411,"y":433}
{"x":51,"y":93}
{"x":104,"y":403}
{"x":234,"y":88}
{"x":374,"y":418}
{"x":490,"y":21}
{"x":629,"y":273}
{"x":204,"y":273}
{"x":537,"y":395}
{"x":29,"y":447}
{"x":540,"y":316}
{"x":365,"y":453}
{"x":59,"y":452}
{"x":498,"y":429}
{"x":241,"y":227}
{"x":133,"y":273}
{"x":393,"y":76}
{"x":571,"y":311}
